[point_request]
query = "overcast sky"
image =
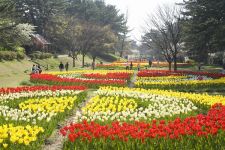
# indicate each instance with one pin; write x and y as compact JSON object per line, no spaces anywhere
{"x":137,"y":12}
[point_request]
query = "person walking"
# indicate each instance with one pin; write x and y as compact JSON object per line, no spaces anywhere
{"x":67,"y":66}
{"x":93,"y":65}
{"x":131,"y":65}
{"x":127,"y":65}
{"x":199,"y":66}
{"x":39,"y":69}
{"x":33,"y":70}
{"x":138,"y":67}
{"x":61,"y":66}
{"x":150,"y":63}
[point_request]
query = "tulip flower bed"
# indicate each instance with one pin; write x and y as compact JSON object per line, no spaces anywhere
{"x":28,"y":115}
{"x":154,"y":115}
{"x":158,"y":73}
{"x":143,"y":64}
{"x":124,"y":76}
{"x":94,"y":80}
{"x":129,"y":118}
{"x":196,"y":132}
{"x":180,"y":80}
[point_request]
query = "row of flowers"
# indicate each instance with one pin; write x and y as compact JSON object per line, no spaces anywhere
{"x":39,"y":88}
{"x":171,"y":78}
{"x":116,"y":75}
{"x":195,"y":132}
{"x":204,"y":99}
{"x":6,"y":98}
{"x":157,"y":73}
{"x":122,"y":65}
{"x":184,"y":85}
{"x":29,"y":115}
{"x":79,"y":72}
{"x":92,"y":83}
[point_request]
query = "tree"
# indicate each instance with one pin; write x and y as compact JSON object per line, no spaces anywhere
{"x":204,"y":27}
{"x":104,"y":40}
{"x":123,"y":37}
{"x":104,"y":15}
{"x":84,"y":38}
{"x":167,"y":22}
{"x":72,"y":37}
{"x":39,"y":12}
{"x":8,"y":21}
{"x":13,"y":33}
{"x":155,"y":40}
{"x":91,"y":34}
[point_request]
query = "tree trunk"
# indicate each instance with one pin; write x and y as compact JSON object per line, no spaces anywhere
{"x":83,"y":55}
{"x":74,"y":61}
{"x":121,"y":54}
{"x":170,"y":66}
{"x":175,"y":57}
{"x":93,"y":59}
{"x":93,"y":63}
{"x":175,"y":63}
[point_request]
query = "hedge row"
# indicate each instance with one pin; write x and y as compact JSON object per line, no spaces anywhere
{"x":40,"y":55}
{"x":11,"y":55}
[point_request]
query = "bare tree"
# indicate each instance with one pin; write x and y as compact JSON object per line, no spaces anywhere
{"x":124,"y":36}
{"x":166,"y":21}
{"x":154,"y":40}
{"x":85,"y":37}
{"x":72,"y":34}
{"x":91,"y":39}
{"x":104,"y":40}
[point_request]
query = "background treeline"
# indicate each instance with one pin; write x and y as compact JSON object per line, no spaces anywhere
{"x":194,"y":28}
{"x":86,"y":27}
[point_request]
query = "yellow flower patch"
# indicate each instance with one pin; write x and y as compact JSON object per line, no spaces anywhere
{"x":113,"y":104}
{"x":18,"y":134}
{"x":201,"y":98}
{"x":187,"y":83}
{"x":51,"y":104}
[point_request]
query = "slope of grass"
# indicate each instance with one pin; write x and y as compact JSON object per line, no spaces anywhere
{"x":53,"y":63}
{"x":12,"y":73}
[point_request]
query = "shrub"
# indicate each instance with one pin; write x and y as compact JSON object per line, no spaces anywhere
{"x":190,"y":61}
{"x":20,"y":55}
{"x":40,"y":55}
{"x":19,"y":49}
{"x":8,"y":55}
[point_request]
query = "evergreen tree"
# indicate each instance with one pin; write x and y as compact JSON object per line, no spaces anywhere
{"x":204,"y":27}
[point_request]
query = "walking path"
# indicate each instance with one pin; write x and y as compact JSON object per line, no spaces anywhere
{"x":56,"y":140}
{"x":133,"y":79}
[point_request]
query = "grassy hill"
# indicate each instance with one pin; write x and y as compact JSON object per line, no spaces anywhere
{"x":12,"y":73}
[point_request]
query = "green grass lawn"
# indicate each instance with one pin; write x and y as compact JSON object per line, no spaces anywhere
{"x":53,"y":63}
{"x":12,"y":73}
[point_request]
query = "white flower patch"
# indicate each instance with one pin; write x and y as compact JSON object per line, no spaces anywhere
{"x":158,"y":107}
{"x":5,"y":98}
{"x":24,"y":115}
{"x":172,"y":78}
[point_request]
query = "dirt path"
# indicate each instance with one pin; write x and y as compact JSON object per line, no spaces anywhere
{"x":133,"y":79}
{"x":55,"y":141}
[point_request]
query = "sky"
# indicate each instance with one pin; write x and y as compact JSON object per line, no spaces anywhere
{"x":138,"y":10}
